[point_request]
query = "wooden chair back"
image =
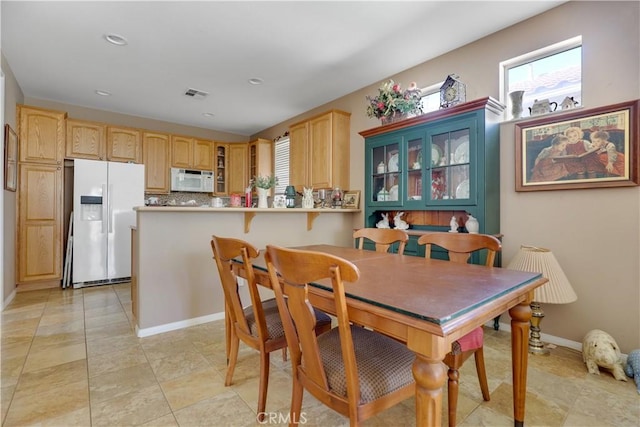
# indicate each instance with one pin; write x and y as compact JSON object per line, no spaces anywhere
{"x":382,"y":237}
{"x":296,"y":269}
{"x":224,"y":251}
{"x":460,"y":246}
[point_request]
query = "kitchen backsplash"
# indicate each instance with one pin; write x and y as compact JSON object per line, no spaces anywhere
{"x":182,"y":198}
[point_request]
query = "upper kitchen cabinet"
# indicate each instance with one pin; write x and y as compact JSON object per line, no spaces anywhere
{"x":220,"y":162}
{"x":41,"y":134}
{"x":260,"y":157}
{"x":155,"y":154}
{"x":124,"y":144}
{"x":203,"y":154}
{"x":191,"y":153}
{"x":86,"y":140}
{"x":319,"y":151}
{"x":237,"y":172}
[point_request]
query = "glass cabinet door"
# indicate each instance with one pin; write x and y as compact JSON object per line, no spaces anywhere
{"x":413,"y":167}
{"x":386,"y":173}
{"x":450,"y":170}
{"x":221,"y":175}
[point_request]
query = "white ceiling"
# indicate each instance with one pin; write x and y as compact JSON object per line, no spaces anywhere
{"x":307,"y":53}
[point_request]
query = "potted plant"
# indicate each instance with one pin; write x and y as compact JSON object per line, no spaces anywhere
{"x":263,"y":184}
{"x":392,"y":103}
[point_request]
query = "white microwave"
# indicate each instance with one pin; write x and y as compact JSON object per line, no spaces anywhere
{"x":192,"y":181}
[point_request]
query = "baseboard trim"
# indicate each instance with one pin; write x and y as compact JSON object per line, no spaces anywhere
{"x":147,"y":332}
{"x":10,"y":298}
{"x":544,"y":337}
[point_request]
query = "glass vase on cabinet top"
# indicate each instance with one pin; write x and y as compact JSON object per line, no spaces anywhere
{"x":450,"y":165}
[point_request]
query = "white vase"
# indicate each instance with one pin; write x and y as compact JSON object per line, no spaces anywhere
{"x":473,"y":226}
{"x":516,"y":103}
{"x":262,"y":197}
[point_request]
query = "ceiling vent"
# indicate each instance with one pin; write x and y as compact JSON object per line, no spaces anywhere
{"x":195,"y":93}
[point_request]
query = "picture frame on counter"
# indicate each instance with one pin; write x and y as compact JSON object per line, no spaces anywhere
{"x":351,"y":199}
{"x":579,"y":149}
{"x":10,"y":159}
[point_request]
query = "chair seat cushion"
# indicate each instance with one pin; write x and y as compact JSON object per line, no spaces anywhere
{"x":273,"y":321}
{"x":472,"y":341}
{"x":384,"y":365}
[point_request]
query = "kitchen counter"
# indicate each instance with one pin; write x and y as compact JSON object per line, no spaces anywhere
{"x":250,"y":213}
{"x":177,"y":283}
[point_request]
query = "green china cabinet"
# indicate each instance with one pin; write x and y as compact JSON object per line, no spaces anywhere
{"x":434,"y":167}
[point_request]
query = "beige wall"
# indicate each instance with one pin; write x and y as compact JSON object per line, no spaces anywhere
{"x":12,"y":96}
{"x":595,"y":234}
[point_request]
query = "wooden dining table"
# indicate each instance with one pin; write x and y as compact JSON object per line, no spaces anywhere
{"x":428,"y":304}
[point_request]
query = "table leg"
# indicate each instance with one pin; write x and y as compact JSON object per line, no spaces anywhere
{"x":430,"y":376}
{"x":520,"y":316}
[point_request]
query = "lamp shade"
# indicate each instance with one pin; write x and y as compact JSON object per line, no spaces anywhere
{"x":557,"y":290}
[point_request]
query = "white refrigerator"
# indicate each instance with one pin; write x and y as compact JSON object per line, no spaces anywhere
{"x":104,"y":195}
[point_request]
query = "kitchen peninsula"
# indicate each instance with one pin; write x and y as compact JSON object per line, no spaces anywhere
{"x":174,"y":281}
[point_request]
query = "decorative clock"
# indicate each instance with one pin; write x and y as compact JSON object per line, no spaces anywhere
{"x":452,"y":92}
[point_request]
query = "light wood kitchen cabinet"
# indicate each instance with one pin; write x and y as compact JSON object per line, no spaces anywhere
{"x":220,"y":172}
{"x":319,"y":151}
{"x":41,"y":135}
{"x":40,"y":210}
{"x":203,"y":154}
{"x":191,"y":153}
{"x":260,"y":157}
{"x":86,"y":140}
{"x":40,"y":196}
{"x":124,"y":144}
{"x":237,"y":172}
{"x":155,"y":154}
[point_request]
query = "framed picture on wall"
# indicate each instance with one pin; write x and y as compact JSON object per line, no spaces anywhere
{"x":10,"y":159}
{"x":351,"y":199}
{"x":581,"y":149}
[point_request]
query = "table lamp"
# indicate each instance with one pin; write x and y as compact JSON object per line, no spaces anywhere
{"x":557,"y":290}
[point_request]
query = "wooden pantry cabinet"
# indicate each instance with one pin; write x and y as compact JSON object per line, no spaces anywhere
{"x":191,"y":153}
{"x":155,"y":154}
{"x":319,"y":151}
{"x":40,"y":196}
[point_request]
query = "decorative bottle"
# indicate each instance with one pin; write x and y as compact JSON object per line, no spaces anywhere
{"x":336,"y":198}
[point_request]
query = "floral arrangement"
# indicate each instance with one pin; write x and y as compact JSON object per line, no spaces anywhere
{"x":265,"y":182}
{"x":392,"y":100}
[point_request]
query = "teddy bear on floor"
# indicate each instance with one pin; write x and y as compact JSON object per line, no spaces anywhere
{"x":632,"y":368}
{"x":600,"y":349}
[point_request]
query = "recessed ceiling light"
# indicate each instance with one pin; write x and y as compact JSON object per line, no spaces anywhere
{"x":116,"y":39}
{"x":256,"y":81}
{"x":208,"y":114}
{"x":103,"y":93}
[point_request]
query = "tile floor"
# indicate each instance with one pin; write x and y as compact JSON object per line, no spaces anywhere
{"x":71,"y":358}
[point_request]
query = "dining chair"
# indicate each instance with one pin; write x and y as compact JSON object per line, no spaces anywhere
{"x":257,"y":325}
{"x":382,"y":237}
{"x":460,"y":246}
{"x":354,"y":371}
